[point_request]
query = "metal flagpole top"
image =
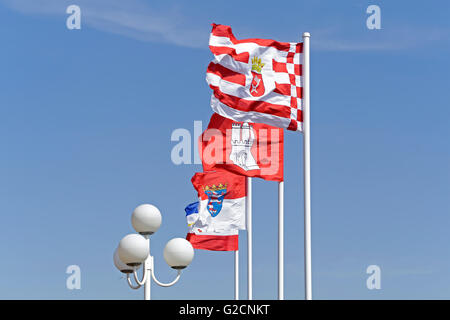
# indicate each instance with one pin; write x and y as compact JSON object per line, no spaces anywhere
{"x":306,"y":34}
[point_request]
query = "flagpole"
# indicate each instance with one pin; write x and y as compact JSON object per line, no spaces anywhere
{"x":248,"y":210}
{"x":236,"y":275}
{"x":281,"y":240}
{"x":306,"y":166}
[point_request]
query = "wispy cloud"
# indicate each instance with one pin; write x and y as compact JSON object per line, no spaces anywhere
{"x":139,"y":20}
{"x":131,"y":18}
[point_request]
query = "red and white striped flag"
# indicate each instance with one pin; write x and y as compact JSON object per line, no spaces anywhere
{"x":255,"y":80}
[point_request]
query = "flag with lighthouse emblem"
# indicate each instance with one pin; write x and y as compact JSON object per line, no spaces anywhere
{"x":248,"y":149}
{"x":215,"y":221}
{"x":256,"y":80}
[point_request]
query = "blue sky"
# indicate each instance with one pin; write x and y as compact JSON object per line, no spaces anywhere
{"x":86,"y":118}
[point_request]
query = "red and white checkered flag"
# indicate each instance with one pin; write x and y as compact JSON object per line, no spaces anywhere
{"x":255,"y":80}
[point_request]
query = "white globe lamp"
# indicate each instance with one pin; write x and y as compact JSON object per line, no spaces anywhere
{"x":120,"y":265}
{"x":133,"y":250}
{"x":146,"y":219}
{"x":178,"y":253}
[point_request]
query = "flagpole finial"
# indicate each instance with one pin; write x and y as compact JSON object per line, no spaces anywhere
{"x":306,"y":34}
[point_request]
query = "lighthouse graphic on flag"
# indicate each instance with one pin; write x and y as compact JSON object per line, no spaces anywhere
{"x":242,"y":140}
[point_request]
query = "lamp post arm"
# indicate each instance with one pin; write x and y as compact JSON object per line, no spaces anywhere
{"x":166,"y":284}
{"x":131,"y":284}
{"x":144,"y":276}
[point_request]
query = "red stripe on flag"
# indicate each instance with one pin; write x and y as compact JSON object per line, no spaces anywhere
{"x":251,"y":105}
{"x":292,"y":78}
{"x":284,"y":89}
{"x":300,"y":115}
{"x":294,"y":102}
{"x":299,"y":92}
{"x":290,"y":57}
{"x":226,"y":74}
{"x":235,"y":183}
{"x":219,"y":30}
{"x":293,"y":125}
{"x":241,"y":57}
{"x":298,"y":69}
{"x":279,"y":66}
{"x":215,"y":243}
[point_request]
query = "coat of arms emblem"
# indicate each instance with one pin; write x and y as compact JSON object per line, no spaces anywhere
{"x":257,"y":85}
{"x":215,"y":194}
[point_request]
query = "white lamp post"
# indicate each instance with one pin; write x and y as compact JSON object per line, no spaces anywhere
{"x":134,"y":250}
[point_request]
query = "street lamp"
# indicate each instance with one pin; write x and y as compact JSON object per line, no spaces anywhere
{"x":134,"y":250}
